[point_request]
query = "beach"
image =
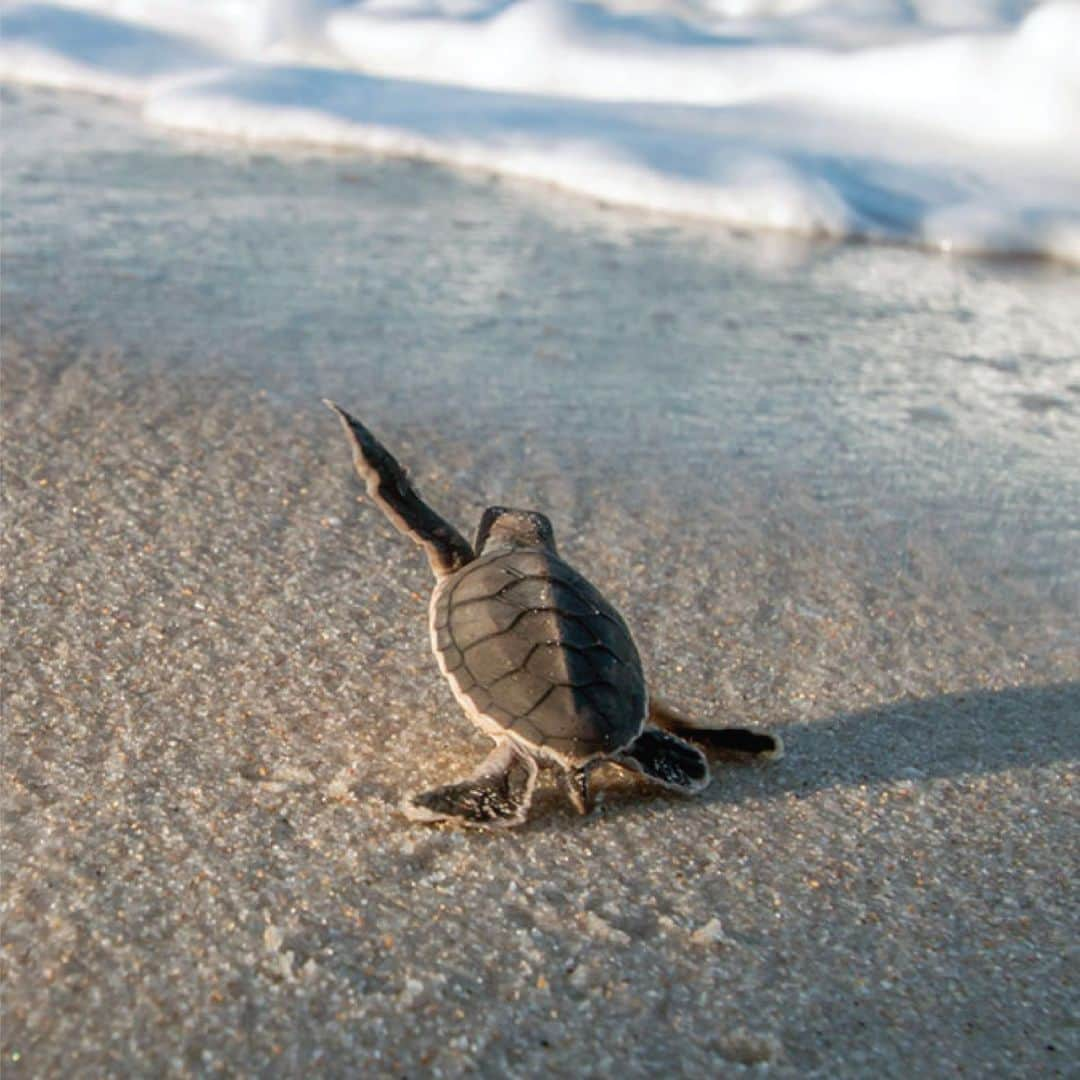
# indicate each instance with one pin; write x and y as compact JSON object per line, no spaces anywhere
{"x":832,"y":488}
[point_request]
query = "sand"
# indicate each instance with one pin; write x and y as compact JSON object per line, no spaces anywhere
{"x":833,"y":521}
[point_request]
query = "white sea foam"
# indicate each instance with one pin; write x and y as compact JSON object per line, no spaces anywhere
{"x":953,"y":124}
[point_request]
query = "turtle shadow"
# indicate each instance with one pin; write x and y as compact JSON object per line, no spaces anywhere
{"x":969,"y":733}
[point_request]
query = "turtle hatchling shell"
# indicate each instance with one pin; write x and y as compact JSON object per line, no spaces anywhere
{"x":531,"y":647}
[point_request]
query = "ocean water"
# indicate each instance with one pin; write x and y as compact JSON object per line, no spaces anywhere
{"x":952,"y":126}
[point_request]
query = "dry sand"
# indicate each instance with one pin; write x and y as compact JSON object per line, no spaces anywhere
{"x":217,"y":687}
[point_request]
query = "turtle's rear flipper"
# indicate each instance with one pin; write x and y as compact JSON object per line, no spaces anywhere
{"x":739,"y":742}
{"x":666,"y":759}
{"x":497,"y":794}
{"x":388,"y":485}
{"x":575,"y":782}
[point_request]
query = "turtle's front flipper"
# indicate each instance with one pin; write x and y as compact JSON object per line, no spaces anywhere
{"x":388,"y":484}
{"x":666,"y":759}
{"x":740,"y":742}
{"x":497,"y":794}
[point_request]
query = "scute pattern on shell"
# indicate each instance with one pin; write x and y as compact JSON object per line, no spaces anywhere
{"x":537,"y":649}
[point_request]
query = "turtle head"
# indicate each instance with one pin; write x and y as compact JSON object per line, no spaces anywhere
{"x":502,"y":527}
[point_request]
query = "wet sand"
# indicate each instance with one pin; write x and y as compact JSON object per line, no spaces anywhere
{"x":218,"y":685}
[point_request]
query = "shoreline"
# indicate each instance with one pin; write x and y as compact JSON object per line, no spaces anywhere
{"x":834,"y":496}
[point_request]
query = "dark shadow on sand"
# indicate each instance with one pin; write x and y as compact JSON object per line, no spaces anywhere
{"x":951,"y":736}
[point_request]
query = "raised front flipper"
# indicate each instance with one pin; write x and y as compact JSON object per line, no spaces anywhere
{"x":388,"y":485}
{"x":498,"y":794}
{"x":666,"y":759}
{"x":735,"y":741}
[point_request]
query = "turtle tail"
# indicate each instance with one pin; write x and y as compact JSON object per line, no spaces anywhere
{"x":739,"y":742}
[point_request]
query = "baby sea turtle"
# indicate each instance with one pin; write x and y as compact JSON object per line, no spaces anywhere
{"x":537,"y":658}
